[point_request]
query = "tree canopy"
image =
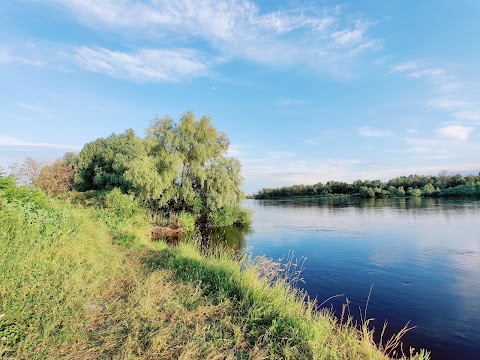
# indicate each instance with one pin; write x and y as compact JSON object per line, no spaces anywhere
{"x":443,"y":185}
{"x":101,"y":164}
{"x":177,"y":166}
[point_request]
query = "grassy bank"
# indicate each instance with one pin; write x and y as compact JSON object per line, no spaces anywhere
{"x":87,"y":283}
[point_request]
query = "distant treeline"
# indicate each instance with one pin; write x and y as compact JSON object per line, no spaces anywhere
{"x":442,"y":185}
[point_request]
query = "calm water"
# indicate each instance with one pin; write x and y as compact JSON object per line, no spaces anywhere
{"x":422,"y":255}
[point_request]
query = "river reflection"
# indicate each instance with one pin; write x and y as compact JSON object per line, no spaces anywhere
{"x":233,"y":237}
{"x":422,"y":255}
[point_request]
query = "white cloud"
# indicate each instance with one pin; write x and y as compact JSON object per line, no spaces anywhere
{"x":292,"y":102}
{"x":409,"y":66}
{"x":420,"y":69}
{"x":30,"y":107}
{"x":454,"y":97}
{"x":447,"y":103}
{"x":455,"y":132}
{"x":260,"y":173}
{"x":439,"y":77}
{"x":311,"y":141}
{"x":369,"y":131}
{"x":238,"y":28}
{"x":351,"y":36}
{"x":6,"y":141}
{"x":468,"y":115}
{"x":448,"y":142}
{"x":413,"y":131}
{"x":8,"y":56}
{"x":281,"y":154}
{"x":146,"y":65}
{"x":214,"y":19}
{"x":5,"y":56}
{"x":427,"y":148}
{"x":430,"y":73}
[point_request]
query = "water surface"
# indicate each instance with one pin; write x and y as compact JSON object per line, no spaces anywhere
{"x":422,"y":255}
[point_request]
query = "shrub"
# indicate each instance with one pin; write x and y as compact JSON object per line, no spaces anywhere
{"x":55,"y":178}
{"x":468,"y":190}
{"x":187,"y":221}
{"x":123,"y":205}
{"x":366,"y":192}
{"x":414,"y":192}
{"x":22,"y":194}
{"x":230,"y":215}
{"x":428,"y":190}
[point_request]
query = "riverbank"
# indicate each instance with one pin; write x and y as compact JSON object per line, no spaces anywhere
{"x":86,"y":283}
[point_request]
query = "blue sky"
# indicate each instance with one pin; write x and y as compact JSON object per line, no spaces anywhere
{"x":307,"y":91}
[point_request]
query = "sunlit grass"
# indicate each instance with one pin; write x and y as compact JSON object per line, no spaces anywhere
{"x":85,"y":283}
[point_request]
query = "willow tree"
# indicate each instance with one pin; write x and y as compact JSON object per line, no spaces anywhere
{"x":192,"y":170}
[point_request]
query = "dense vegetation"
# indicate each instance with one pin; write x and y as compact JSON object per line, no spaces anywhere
{"x":443,"y":185}
{"x":80,"y":278}
{"x":178,"y":168}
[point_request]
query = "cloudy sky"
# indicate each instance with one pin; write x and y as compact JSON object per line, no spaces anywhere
{"x":307,"y":91}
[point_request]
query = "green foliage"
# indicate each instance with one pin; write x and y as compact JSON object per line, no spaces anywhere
{"x":178,"y":167}
{"x":366,"y":192}
{"x":230,"y":215}
{"x":467,"y":190}
{"x":426,"y":185}
{"x":21,"y":194}
{"x":91,"y":198}
{"x":119,"y":211}
{"x":414,"y":192}
{"x":125,"y":205}
{"x":186,"y":221}
{"x":101,"y":164}
{"x":147,"y":182}
{"x":190,"y":158}
{"x":428,"y":189}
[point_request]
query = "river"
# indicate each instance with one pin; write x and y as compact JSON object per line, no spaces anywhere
{"x":422,"y":257}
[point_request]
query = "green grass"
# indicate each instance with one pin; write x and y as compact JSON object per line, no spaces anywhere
{"x":86,"y":283}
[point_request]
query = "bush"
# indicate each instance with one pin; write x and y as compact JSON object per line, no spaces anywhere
{"x":428,"y":190}
{"x":22,"y":194}
{"x":414,"y":192}
{"x":468,"y":190}
{"x":122,"y":204}
{"x":230,"y":215}
{"x":187,"y":221}
{"x":120,"y":210}
{"x":367,"y":192}
{"x":55,"y":178}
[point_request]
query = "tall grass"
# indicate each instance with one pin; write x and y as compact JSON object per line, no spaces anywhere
{"x":86,"y":283}
{"x":54,"y":263}
{"x":274,"y":319}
